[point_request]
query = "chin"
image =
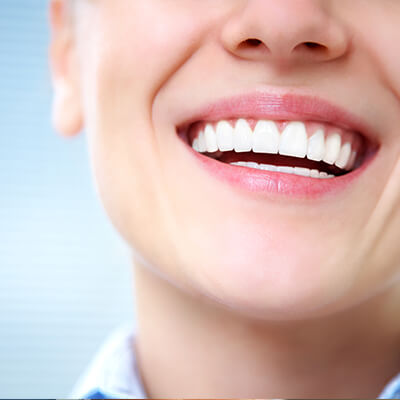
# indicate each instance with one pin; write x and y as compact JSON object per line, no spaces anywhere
{"x":270,"y":279}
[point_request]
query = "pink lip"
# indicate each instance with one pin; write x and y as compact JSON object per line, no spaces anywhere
{"x":277,"y":183}
{"x":286,"y":106}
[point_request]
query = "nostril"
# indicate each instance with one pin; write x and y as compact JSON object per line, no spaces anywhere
{"x":252,"y":46}
{"x":311,"y":45}
{"x":314,"y":46}
{"x":252,"y":42}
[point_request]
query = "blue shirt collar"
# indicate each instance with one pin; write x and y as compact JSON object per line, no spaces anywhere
{"x":113,"y":374}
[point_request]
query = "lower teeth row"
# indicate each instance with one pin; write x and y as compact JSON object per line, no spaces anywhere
{"x":312,"y":173}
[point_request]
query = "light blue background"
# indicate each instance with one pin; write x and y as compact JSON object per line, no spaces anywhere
{"x":65,"y":278}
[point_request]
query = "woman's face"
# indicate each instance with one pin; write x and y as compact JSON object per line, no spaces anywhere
{"x":150,"y":77}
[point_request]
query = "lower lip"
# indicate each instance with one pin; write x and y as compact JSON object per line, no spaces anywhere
{"x":278,"y":183}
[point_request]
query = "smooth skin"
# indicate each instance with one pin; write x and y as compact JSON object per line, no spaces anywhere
{"x":241,"y":294}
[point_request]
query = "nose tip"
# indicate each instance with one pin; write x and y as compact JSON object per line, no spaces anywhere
{"x":285,"y":30}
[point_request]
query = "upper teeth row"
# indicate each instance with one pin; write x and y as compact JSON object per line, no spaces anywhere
{"x":266,"y":138}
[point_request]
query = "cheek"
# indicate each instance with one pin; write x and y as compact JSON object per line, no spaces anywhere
{"x":382,"y":261}
{"x":134,"y":50}
{"x":380,"y":43}
{"x":129,"y":59}
{"x":147,"y":40}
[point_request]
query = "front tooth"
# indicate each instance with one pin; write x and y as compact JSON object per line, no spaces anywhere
{"x":323,"y":175}
{"x":314,"y":173}
{"x":316,"y":146}
{"x":332,"y":148}
{"x":242,"y":136}
{"x":344,"y":156}
{"x":211,"y":138}
{"x":266,"y":137}
{"x":287,"y":170}
{"x":293,"y":140}
{"x":202,"y":142}
{"x":269,"y":167}
{"x":302,"y":171}
{"x":224,"y":136}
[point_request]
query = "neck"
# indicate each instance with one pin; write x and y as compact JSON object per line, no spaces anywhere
{"x":190,"y":347}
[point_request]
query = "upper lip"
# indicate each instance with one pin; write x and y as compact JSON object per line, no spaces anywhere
{"x":277,"y":105}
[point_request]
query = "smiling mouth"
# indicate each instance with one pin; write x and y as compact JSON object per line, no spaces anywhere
{"x":306,"y":148}
{"x":279,"y":141}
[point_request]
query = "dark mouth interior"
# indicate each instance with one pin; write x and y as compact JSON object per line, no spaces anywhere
{"x":276,"y":159}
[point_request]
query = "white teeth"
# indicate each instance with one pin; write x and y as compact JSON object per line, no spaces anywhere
{"x":269,"y":167}
{"x":195,"y":144}
{"x":211,"y":138}
{"x":344,"y":156}
{"x":294,"y":140}
{"x":302,"y":171}
{"x":242,"y":136}
{"x":352,"y":161}
{"x":224,"y":136}
{"x":266,"y":137}
{"x":313,"y":173}
{"x":332,"y":148}
{"x":287,"y":170}
{"x":316,"y":146}
{"x":202,"y":142}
